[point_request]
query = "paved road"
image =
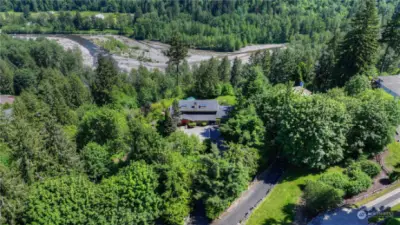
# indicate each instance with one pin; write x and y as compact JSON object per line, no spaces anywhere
{"x":387,"y":201}
{"x":243,"y":206}
{"x":343,"y":216}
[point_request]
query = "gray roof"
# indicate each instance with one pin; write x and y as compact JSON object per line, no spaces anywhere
{"x":199,"y":117}
{"x":198,"y":105}
{"x":223,"y":111}
{"x":390,"y":84}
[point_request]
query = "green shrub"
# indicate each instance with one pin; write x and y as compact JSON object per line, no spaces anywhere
{"x":97,"y":160}
{"x":6,"y":106}
{"x":215,"y":206}
{"x":320,"y":197}
{"x":203,"y":124}
{"x":359,"y":182}
{"x":335,"y":179}
{"x":370,"y":168}
{"x":394,"y":176}
{"x":192,"y":124}
{"x":227,"y":89}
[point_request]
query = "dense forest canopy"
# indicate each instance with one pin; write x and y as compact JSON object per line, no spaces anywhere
{"x":100,"y":146}
{"x":221,"y":25}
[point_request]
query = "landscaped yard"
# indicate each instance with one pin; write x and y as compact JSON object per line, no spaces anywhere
{"x":393,"y":157}
{"x":227,"y":100}
{"x":278,"y":207}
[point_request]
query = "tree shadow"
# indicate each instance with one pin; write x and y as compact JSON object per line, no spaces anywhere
{"x":384,"y":181}
{"x":289,"y":210}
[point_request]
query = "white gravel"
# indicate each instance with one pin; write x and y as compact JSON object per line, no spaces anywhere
{"x":147,"y":53}
{"x":153,"y":51}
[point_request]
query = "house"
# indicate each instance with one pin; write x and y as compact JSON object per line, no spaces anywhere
{"x":202,"y":111}
{"x":391,"y":84}
{"x":6,"y":99}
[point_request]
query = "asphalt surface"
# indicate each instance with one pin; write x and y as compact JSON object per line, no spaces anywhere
{"x":249,"y":199}
{"x":389,"y":200}
{"x":349,"y":216}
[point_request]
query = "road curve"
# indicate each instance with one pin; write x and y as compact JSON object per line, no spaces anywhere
{"x":243,"y":206}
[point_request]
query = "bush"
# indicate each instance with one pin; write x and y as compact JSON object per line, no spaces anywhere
{"x":359,"y":182}
{"x":227,"y":89}
{"x":97,"y":160}
{"x":203,"y":124}
{"x":215,"y":206}
{"x":370,"y":168}
{"x":336,"y":179}
{"x":320,"y":197}
{"x":192,"y":124}
{"x":394,"y":176}
{"x":357,"y":85}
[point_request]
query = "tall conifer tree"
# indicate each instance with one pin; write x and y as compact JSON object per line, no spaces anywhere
{"x":358,"y":51}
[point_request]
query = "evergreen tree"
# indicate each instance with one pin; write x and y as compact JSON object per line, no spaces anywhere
{"x":391,"y":37}
{"x":26,"y":145}
{"x":177,"y":52}
{"x":168,"y":125}
{"x":254,"y":84}
{"x":6,"y":78}
{"x":224,"y":70}
{"x":263,"y":60}
{"x":175,"y":111}
{"x":12,"y":196}
{"x":358,"y":51}
{"x":236,"y":72}
{"x":324,"y":68}
{"x":207,"y":80}
{"x":284,"y":66}
{"x":105,"y":79}
{"x":78,"y":20}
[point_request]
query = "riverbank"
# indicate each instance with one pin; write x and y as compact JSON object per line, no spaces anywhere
{"x":146,"y":53}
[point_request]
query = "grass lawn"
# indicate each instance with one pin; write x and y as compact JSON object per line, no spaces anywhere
{"x":226,"y":100}
{"x":278,"y":207}
{"x":395,"y":208}
{"x":394,"y":155}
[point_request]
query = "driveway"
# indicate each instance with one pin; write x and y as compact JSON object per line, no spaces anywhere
{"x":358,"y":216}
{"x":243,"y":206}
{"x":206,"y":132}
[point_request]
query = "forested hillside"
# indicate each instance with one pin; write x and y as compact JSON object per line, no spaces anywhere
{"x":100,"y":146}
{"x":220,"y":25}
